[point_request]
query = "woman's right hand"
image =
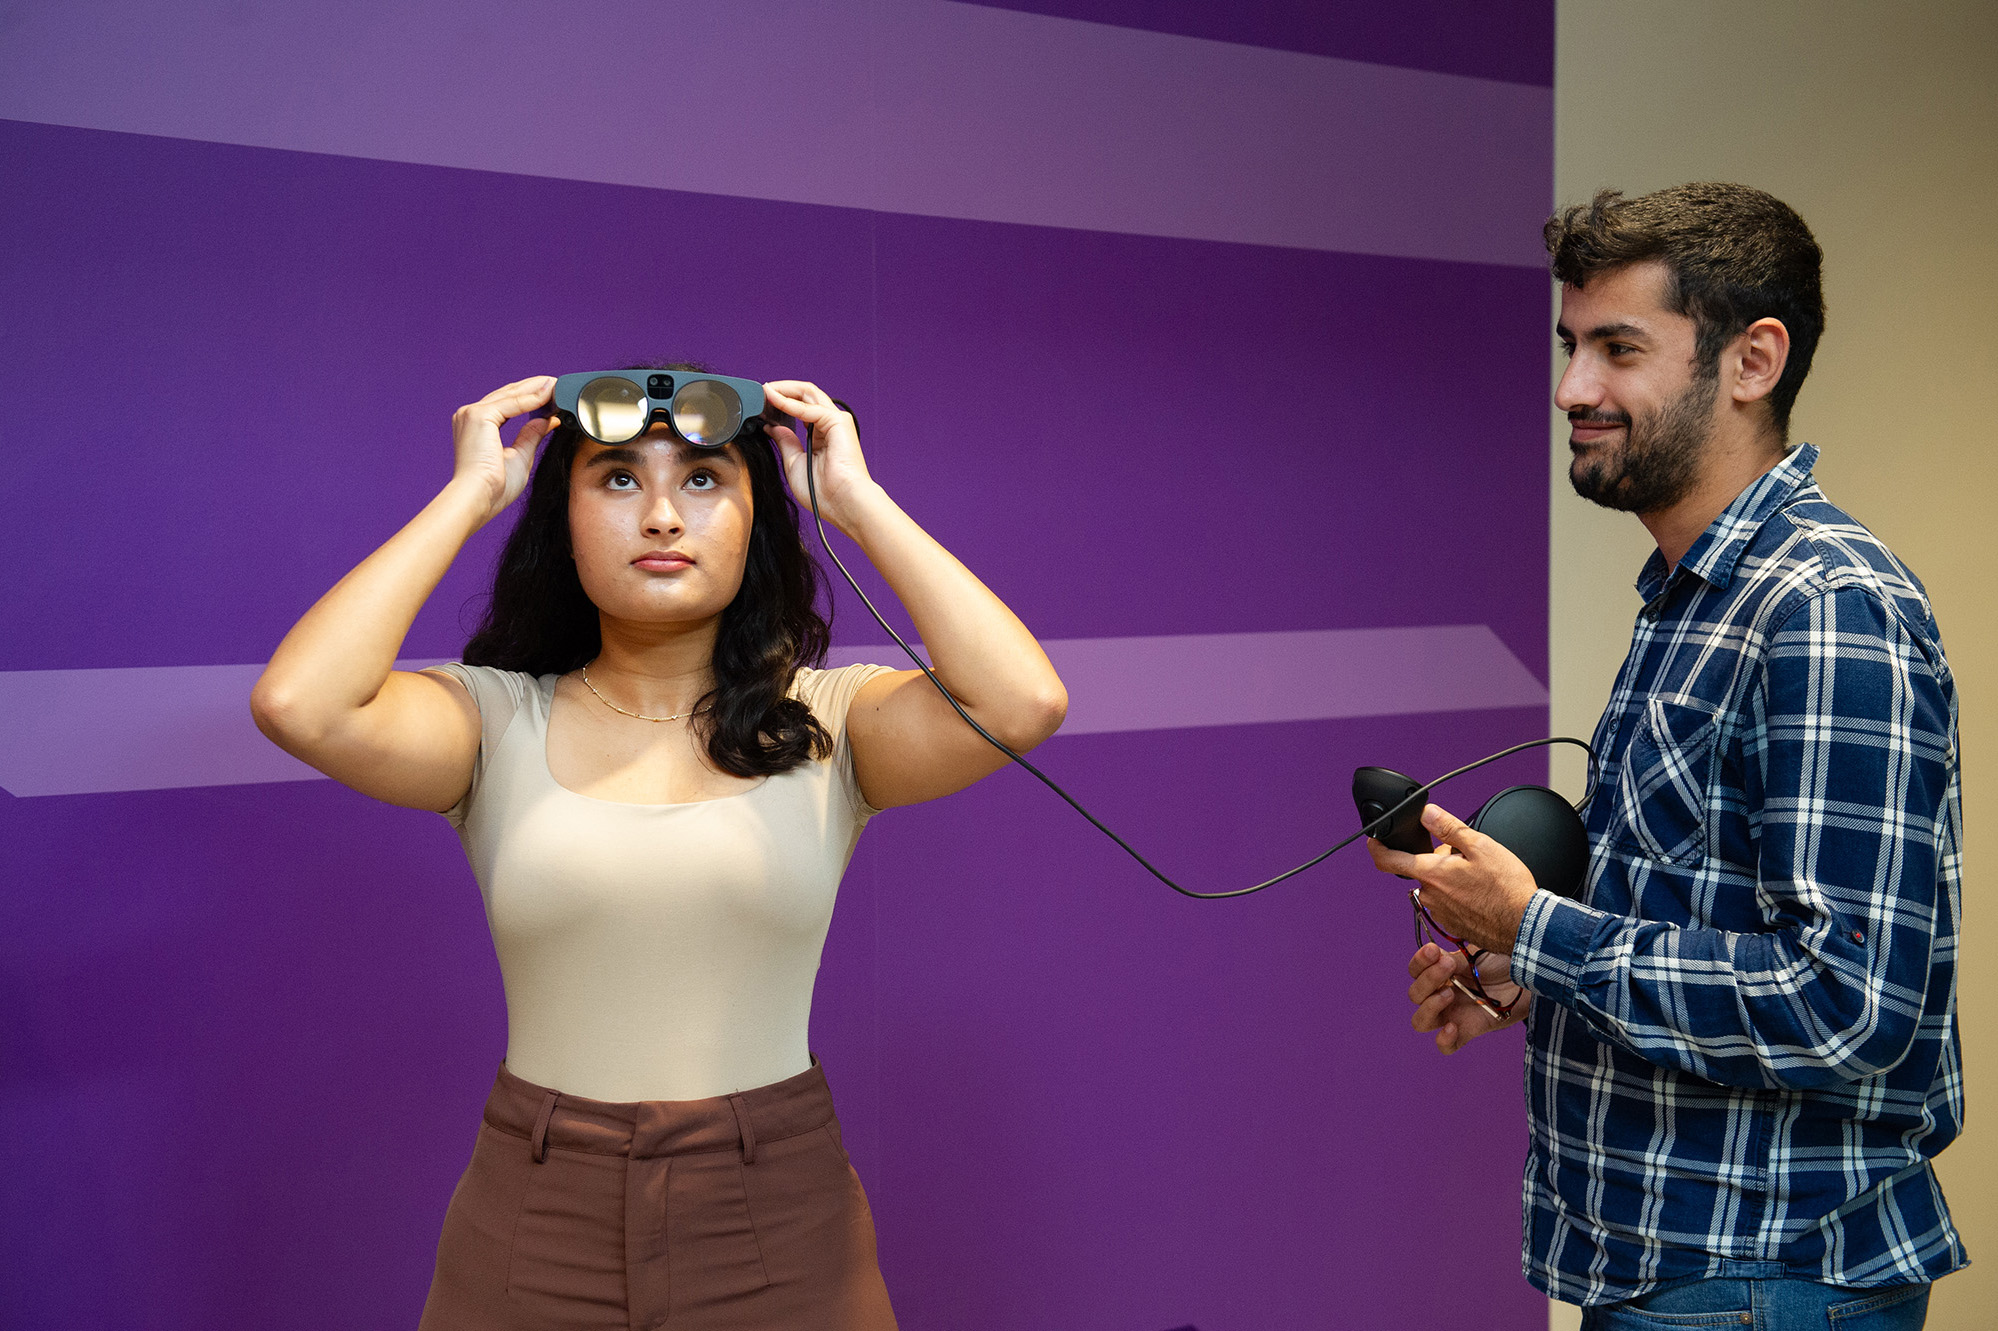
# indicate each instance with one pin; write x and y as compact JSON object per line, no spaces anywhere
{"x":493,"y":471}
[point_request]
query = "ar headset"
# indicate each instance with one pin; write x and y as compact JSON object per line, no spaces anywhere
{"x":710,"y":411}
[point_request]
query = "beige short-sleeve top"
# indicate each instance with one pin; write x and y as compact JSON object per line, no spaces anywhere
{"x":655,"y":951}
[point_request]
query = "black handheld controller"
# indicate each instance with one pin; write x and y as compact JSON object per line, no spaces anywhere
{"x":1377,"y":791}
{"x":1532,"y":822}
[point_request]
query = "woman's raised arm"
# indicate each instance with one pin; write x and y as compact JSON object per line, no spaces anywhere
{"x":331,"y":695}
{"x":908,"y":744}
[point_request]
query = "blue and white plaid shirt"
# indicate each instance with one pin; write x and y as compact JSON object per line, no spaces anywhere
{"x":1744,"y":1045}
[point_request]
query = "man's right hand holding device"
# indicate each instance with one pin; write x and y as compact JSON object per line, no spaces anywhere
{"x":1478,"y":890}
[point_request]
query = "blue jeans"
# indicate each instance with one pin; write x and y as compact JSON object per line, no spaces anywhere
{"x":1744,"y":1296}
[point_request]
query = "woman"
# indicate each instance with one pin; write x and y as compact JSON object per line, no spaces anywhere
{"x":658,"y":794}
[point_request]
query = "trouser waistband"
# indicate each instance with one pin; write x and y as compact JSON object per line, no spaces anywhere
{"x":642,"y":1129}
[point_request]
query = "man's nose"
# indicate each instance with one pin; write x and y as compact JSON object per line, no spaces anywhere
{"x":1579,"y":388}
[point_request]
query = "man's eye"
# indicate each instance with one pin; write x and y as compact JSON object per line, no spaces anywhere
{"x":1568,"y":350}
{"x":1621,"y":348}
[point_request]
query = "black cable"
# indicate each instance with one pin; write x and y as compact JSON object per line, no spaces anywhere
{"x":1379,"y":824}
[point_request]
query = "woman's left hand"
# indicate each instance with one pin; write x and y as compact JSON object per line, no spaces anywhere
{"x":838,"y":468}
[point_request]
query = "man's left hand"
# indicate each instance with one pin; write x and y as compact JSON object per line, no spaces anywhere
{"x":1473,"y":886}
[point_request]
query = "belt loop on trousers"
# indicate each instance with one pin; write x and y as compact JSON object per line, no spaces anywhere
{"x":538,"y":1143}
{"x":746,"y":1128}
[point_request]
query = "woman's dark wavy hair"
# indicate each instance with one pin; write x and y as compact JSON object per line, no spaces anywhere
{"x":540,"y":621}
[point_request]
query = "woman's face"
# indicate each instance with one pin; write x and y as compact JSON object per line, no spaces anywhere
{"x":660,"y":530}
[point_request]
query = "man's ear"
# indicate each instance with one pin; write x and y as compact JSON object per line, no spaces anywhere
{"x":1759,"y":354}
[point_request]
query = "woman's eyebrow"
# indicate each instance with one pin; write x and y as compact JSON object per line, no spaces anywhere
{"x":614,"y":456}
{"x":625,"y":455}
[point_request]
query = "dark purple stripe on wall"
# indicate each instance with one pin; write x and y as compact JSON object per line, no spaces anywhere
{"x":258,"y":353}
{"x":1511,"y":40}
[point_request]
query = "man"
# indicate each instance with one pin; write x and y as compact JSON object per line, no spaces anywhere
{"x":1741,"y":1044}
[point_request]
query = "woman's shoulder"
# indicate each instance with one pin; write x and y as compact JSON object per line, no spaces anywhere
{"x":830,"y":693}
{"x":497,"y":693}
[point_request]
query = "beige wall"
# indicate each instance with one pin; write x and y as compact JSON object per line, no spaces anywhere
{"x":1879,"y":123}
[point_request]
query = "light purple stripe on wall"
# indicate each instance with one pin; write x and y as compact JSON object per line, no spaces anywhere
{"x":81,"y":732}
{"x":73,"y":732}
{"x":915,"y":106}
{"x":1186,"y":680}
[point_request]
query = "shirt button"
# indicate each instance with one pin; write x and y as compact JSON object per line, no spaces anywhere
{"x":1858,"y":936}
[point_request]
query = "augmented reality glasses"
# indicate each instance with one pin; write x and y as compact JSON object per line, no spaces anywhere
{"x":617,"y":406}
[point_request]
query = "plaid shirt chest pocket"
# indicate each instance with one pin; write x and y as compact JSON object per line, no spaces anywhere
{"x":1667,"y":773}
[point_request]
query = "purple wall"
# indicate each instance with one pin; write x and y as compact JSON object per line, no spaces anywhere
{"x":247,"y":1027}
{"x":1473,"y":37}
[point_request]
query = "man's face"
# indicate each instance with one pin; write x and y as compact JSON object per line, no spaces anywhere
{"x":1639,"y":417}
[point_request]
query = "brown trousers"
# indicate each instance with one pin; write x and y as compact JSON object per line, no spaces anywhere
{"x":735,"y":1212}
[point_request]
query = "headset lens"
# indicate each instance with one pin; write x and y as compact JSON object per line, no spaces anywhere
{"x":611,"y":410}
{"x":707,"y":412}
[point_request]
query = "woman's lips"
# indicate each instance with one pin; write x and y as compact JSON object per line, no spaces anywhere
{"x":662,"y":561}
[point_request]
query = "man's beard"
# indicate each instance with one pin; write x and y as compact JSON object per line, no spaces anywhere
{"x":1659,"y":460}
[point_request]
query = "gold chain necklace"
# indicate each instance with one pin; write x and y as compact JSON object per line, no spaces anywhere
{"x":677,"y":716}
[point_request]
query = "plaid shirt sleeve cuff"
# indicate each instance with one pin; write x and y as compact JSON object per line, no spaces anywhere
{"x":1556,"y":937}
